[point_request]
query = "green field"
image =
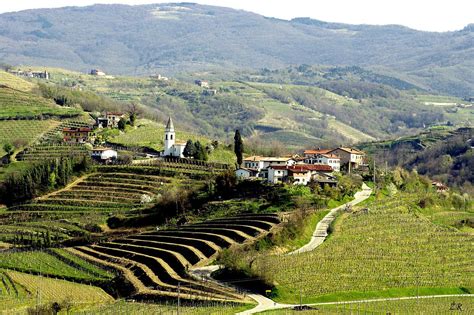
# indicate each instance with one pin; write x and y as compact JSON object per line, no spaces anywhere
{"x":392,"y":251}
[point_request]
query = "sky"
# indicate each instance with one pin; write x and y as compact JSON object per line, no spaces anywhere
{"x":427,"y":15}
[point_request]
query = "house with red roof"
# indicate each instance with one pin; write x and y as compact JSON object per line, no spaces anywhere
{"x":77,"y":134}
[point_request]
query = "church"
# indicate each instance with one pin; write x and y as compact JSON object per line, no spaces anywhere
{"x":172,"y":148}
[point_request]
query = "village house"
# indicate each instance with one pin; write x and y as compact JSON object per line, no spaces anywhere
{"x":202,"y":83}
{"x":259,"y":164}
{"x":104,"y":155}
{"x":298,"y":174}
{"x":246,"y":173}
{"x":77,"y":134}
{"x":97,"y":72}
{"x":325,"y":158}
{"x":354,"y":158}
{"x":110,"y":120}
{"x":172,"y":148}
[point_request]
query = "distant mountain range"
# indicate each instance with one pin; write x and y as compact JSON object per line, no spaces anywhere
{"x":186,"y":37}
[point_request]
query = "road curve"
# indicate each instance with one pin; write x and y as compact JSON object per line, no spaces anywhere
{"x":321,"y":231}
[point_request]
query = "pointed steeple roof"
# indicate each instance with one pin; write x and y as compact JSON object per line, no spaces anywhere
{"x":169,"y":125}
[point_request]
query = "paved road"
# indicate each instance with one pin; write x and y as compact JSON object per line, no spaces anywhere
{"x":321,"y":231}
{"x":269,"y":305}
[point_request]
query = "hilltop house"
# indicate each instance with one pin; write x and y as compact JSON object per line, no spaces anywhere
{"x":355,"y":157}
{"x":104,"y":154}
{"x":110,"y":119}
{"x":172,"y":148}
{"x":97,"y":72}
{"x":298,"y":174}
{"x":77,"y":134}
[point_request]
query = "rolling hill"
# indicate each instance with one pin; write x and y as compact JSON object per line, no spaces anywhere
{"x":172,"y":38}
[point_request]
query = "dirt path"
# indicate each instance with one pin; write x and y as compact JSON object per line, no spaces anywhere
{"x":321,"y":230}
{"x":67,"y":187}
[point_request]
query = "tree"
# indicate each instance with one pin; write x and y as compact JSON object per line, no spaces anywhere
{"x":200,"y":153}
{"x":121,"y":124}
{"x":238,"y":147}
{"x":189,"y":149}
{"x":9,"y":149}
{"x":133,"y":113}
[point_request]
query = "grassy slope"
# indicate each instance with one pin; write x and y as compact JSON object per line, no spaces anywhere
{"x":15,"y":82}
{"x":390,"y":252}
{"x":17,"y":103}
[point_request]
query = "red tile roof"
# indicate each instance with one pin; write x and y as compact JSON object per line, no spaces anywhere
{"x":80,"y":129}
{"x":319,"y":151}
{"x":298,"y":168}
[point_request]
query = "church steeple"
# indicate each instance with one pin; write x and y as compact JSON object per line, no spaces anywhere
{"x":169,"y":137}
{"x":169,"y":125}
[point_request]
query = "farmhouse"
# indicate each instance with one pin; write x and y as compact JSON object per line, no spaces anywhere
{"x":110,"y":119}
{"x":173,"y":148}
{"x":77,"y":134}
{"x":104,"y":154}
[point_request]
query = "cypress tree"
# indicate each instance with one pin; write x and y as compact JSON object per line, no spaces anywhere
{"x":238,"y":147}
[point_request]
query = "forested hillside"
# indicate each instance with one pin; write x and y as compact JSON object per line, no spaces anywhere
{"x":171,"y":38}
{"x":442,"y":154}
{"x":287,"y":109}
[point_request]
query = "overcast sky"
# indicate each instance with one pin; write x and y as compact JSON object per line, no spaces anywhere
{"x":429,"y":15}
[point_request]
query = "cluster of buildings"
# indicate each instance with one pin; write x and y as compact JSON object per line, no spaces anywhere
{"x":315,"y":165}
{"x":31,"y":74}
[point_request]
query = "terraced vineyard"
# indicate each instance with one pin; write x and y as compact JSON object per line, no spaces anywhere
{"x":102,"y":191}
{"x":50,"y":151}
{"x":390,"y":251}
{"x":23,"y":132}
{"x":156,"y":263}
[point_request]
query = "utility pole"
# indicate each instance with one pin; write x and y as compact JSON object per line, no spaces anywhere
{"x":375,"y":184}
{"x":179,"y":301}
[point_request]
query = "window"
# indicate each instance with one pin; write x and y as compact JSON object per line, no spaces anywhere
{"x":166,"y":137}
{"x":171,"y":137}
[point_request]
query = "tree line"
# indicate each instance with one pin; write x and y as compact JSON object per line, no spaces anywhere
{"x":40,"y":178}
